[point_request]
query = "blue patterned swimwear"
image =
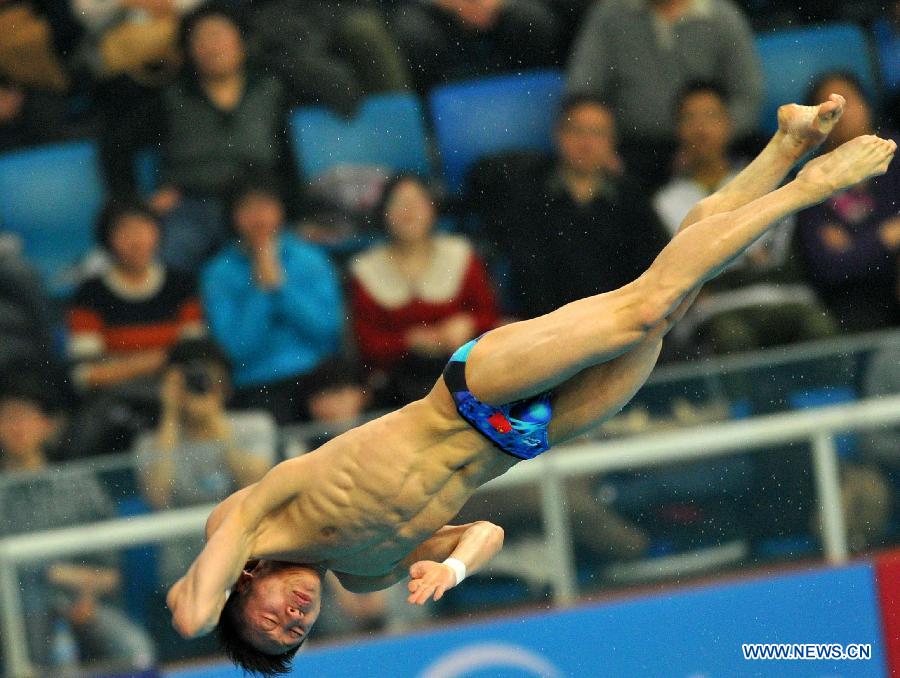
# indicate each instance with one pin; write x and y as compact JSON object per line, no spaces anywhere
{"x":518,"y":428}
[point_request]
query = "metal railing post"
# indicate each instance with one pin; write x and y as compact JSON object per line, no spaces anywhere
{"x":828,"y":490}
{"x":12,"y":620}
{"x":558,"y":533}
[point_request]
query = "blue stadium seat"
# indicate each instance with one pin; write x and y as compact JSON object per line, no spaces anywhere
{"x":388,"y":131}
{"x":888,"y":45}
{"x":792,"y":59}
{"x":50,"y":197}
{"x":147,"y":167}
{"x":488,"y":115}
{"x":139,"y":564}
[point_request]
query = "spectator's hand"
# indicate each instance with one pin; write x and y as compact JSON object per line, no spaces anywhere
{"x":267,"y":263}
{"x":481,"y":15}
{"x":835,"y":238}
{"x":889,"y":233}
{"x":83,"y":579}
{"x":426,"y":341}
{"x":210,"y":410}
{"x":457,"y":330}
{"x":83,"y":610}
{"x":429,"y":579}
{"x":155,"y":7}
{"x":172,"y":392}
{"x":165,"y":200}
{"x":806,"y":127}
{"x":337,"y":405}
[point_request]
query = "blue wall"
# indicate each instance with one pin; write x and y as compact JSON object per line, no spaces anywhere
{"x":689,"y":634}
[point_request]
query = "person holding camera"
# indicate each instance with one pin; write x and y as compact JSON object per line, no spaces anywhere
{"x":199,"y":452}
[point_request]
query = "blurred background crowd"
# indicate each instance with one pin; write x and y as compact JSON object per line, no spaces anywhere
{"x":229,"y":229}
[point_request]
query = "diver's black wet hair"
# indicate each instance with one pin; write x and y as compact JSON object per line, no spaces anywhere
{"x":241,"y":652}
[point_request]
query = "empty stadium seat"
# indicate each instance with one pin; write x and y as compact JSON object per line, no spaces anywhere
{"x":50,"y":198}
{"x":793,"y":59}
{"x":388,"y":131}
{"x":475,"y":118}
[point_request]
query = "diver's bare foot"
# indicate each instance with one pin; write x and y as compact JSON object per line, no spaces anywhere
{"x":853,"y":162}
{"x":805,"y":127}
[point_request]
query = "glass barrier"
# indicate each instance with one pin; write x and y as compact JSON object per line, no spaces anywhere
{"x":628,"y":527}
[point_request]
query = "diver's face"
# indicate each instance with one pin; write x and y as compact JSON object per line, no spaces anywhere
{"x":281,"y":603}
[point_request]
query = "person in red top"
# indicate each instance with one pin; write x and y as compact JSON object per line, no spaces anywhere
{"x":123,"y":322}
{"x":417,"y":297}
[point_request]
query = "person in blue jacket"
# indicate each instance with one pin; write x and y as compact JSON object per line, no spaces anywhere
{"x":274,"y":304}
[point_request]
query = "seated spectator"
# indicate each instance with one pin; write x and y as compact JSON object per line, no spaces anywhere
{"x":27,"y":317}
{"x":219,"y":122}
{"x":135,"y":37}
{"x":869,"y":484}
{"x":851,"y":242}
{"x":761,"y":300}
{"x":123,"y":322}
{"x":200,"y":452}
{"x":28,"y":55}
{"x":274,"y":304}
{"x":417,"y":298}
{"x":132,"y":50}
{"x":66,"y":596}
{"x":29,"y":118}
{"x":327,"y":53}
{"x":448,"y":40}
{"x":638,"y":54}
{"x":575,"y":212}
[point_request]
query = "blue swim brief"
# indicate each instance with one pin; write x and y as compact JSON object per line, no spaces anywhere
{"x":518,"y":428}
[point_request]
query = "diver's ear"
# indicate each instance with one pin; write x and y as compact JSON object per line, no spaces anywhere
{"x":243,"y":582}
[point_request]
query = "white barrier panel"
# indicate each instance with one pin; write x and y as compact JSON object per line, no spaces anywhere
{"x":817,"y":426}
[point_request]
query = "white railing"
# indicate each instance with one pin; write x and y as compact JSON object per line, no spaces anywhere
{"x":549,"y":471}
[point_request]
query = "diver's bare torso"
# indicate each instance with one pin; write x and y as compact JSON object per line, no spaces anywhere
{"x":367,"y":498}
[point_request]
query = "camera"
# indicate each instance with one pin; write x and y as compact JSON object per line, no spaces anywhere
{"x":197,"y":379}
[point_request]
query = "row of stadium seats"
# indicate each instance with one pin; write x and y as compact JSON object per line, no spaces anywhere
{"x":52,"y":194}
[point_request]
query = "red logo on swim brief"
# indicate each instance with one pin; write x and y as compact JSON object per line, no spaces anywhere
{"x":500,"y":423}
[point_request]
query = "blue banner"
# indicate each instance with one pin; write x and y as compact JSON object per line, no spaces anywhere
{"x":697,"y":633}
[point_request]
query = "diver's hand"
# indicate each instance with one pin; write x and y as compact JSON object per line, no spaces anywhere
{"x":429,"y":579}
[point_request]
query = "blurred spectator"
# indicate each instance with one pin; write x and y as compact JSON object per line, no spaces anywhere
{"x":220,"y":122}
{"x":448,"y":40}
{"x":330,"y":53}
{"x":851,"y":242}
{"x":27,"y":317}
{"x":135,"y":37}
{"x":869,"y":484}
{"x":597,"y":529}
{"x":638,"y":54}
{"x":28,"y":53}
{"x":132,"y":50}
{"x":123,"y":322}
{"x":761,"y":300}
{"x":573,"y":225}
{"x":419,"y":297}
{"x":29,"y":118}
{"x":274,"y":304}
{"x":200,"y":453}
{"x":882,"y":378}
{"x":887,"y":39}
{"x":59,"y":597}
